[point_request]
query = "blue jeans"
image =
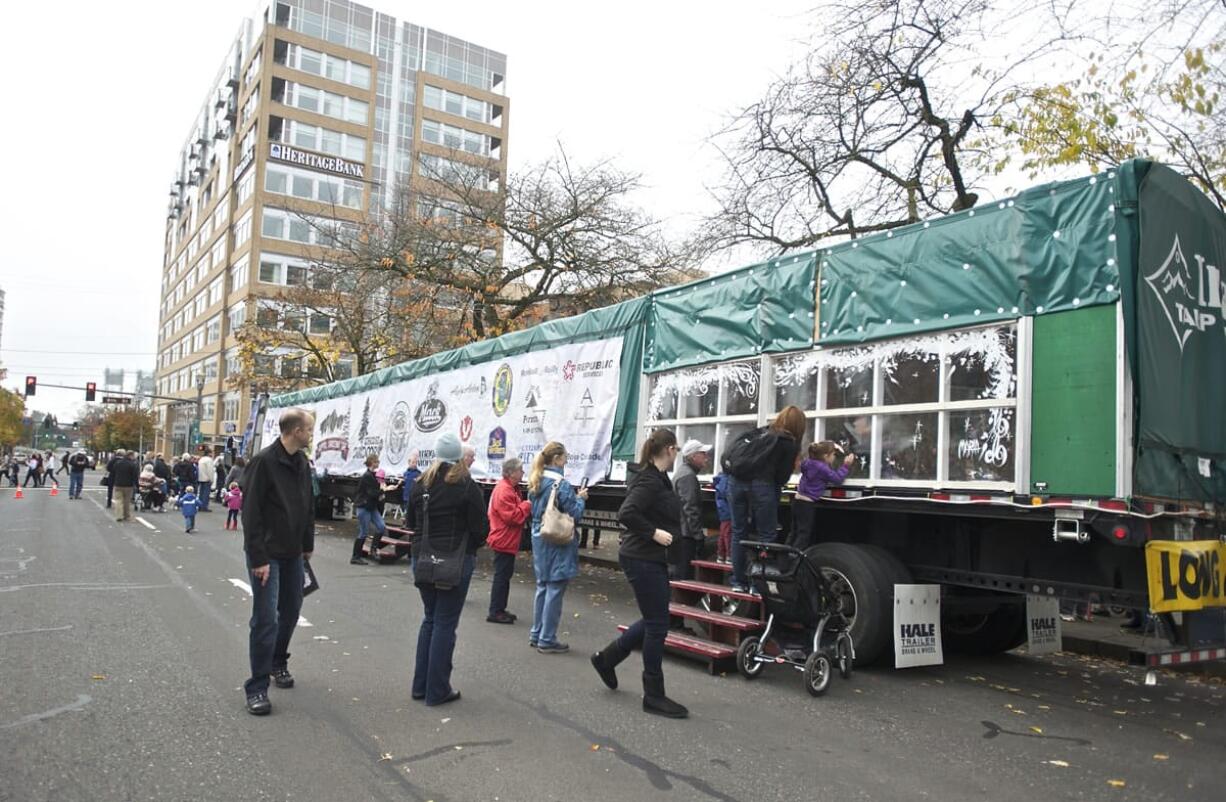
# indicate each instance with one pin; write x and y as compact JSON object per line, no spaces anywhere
{"x":202,"y":492}
{"x":274,"y":614}
{"x":76,"y":481}
{"x":755,"y":503}
{"x":367,"y":519}
{"x":547,"y":612}
{"x":651,"y":590}
{"x":189,"y":522}
{"x":500,"y":588}
{"x":436,"y":637}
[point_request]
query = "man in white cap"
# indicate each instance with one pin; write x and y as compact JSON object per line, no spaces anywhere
{"x":694,"y":457}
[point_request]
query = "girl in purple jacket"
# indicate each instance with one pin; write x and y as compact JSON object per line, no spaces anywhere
{"x":816,"y":474}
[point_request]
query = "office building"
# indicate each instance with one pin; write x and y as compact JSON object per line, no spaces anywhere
{"x":321,"y":109}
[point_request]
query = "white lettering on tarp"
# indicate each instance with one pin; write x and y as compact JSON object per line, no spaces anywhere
{"x":1043,"y":633}
{"x":917,"y":626}
{"x":1189,"y":311}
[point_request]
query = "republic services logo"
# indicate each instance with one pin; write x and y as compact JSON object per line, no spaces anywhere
{"x":1172,"y":284}
{"x":568,"y":370}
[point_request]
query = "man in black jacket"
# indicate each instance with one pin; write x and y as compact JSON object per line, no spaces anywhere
{"x":124,"y":477}
{"x":278,"y":534}
{"x":77,"y":464}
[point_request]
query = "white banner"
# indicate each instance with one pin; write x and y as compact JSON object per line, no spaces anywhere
{"x":505,"y":408}
{"x":917,"y":626}
{"x":1043,"y":624}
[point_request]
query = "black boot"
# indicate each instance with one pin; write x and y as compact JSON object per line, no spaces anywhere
{"x":655,"y":702}
{"x":606,"y":660}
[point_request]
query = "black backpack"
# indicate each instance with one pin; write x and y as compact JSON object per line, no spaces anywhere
{"x":749,"y":454}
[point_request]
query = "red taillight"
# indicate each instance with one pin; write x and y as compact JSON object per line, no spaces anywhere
{"x":1120,"y":532}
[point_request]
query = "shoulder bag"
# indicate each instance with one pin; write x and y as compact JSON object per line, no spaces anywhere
{"x":442,"y":569}
{"x":557,"y":527}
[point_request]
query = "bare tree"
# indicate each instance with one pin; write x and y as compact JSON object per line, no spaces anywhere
{"x":876,"y":128}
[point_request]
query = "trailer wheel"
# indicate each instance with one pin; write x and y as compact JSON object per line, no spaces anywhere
{"x":817,"y":674}
{"x":992,"y":632}
{"x":745,"y":654}
{"x":864,"y":578}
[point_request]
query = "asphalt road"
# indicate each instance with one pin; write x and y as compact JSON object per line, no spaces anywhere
{"x":123,"y":651}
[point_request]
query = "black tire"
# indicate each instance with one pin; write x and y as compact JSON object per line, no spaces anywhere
{"x":842,"y":648}
{"x":817,"y":674}
{"x":745,"y":666}
{"x":870,"y":574}
{"x":995,"y":631}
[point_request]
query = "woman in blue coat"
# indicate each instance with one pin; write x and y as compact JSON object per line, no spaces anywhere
{"x":555,"y":565}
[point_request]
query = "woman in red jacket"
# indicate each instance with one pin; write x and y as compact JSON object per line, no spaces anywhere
{"x":508,"y":513}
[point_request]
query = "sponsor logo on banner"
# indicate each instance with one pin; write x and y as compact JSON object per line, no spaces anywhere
{"x":339,"y":445}
{"x":398,"y":430}
{"x":1043,"y":624}
{"x":917,"y":625}
{"x":432,"y":412}
{"x":587,"y":408}
{"x":594,"y":369}
{"x":497,"y":448}
{"x":502,"y":389}
{"x":568,"y":370}
{"x":334,"y":421}
{"x":473,"y":388}
{"x":367,"y":443}
{"x":466,"y":428}
{"x":334,"y":434}
{"x":1185,"y":575}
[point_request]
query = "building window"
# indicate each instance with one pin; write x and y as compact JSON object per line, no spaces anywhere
{"x":220,"y":214}
{"x":238,"y":316}
{"x":454,"y":137}
{"x":242,"y":229}
{"x":450,"y":171}
{"x":198,"y":339}
{"x":246,"y":186}
{"x":455,"y":103}
{"x":207,"y":409}
{"x":320,"y":324}
{"x":238,"y":273}
{"x":321,"y":101}
{"x":309,"y":185}
{"x":210,"y":369}
{"x":233,"y":362}
{"x":322,"y":64}
{"x":324,"y":140}
{"x":229,"y":407}
{"x":213,"y":330}
{"x":216,"y":286}
{"x":282,"y":224}
{"x":202,"y":302}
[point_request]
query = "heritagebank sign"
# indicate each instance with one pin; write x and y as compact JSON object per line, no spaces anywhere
{"x":315,"y":161}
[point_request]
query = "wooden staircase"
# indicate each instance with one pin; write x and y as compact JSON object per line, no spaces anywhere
{"x":720,"y":615}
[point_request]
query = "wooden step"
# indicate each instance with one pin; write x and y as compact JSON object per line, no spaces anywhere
{"x":710,"y":588}
{"x":712,"y":565}
{"x":692,"y":644}
{"x":717,"y":619}
{"x":399,"y":531}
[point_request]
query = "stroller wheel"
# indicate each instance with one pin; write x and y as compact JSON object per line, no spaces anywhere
{"x":817,"y":674}
{"x":746,"y":665}
{"x":843,"y":655}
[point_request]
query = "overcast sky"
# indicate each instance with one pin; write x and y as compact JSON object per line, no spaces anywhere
{"x":97,"y":113}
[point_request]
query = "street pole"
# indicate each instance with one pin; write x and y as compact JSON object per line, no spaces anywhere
{"x":200,"y":407}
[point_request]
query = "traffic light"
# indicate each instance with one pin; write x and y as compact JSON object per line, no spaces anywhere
{"x":91,"y":390}
{"x":31,"y":385}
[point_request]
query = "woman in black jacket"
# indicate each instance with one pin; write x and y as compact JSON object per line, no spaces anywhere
{"x":456,"y":515}
{"x":651,"y":515}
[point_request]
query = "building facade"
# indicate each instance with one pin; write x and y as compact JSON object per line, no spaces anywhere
{"x":321,"y":111}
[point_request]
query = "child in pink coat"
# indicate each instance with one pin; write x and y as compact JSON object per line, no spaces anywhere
{"x":234,"y":503}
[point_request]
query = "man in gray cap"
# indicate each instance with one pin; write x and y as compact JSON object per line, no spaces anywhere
{"x":694,"y":456}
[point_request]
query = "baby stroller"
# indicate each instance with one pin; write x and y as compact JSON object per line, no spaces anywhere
{"x":805,"y":625}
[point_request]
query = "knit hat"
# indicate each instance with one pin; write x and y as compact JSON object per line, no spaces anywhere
{"x":447,"y":448}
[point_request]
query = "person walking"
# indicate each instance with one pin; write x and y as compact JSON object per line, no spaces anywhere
{"x":366,"y":506}
{"x":188,"y":502}
{"x":651,"y":515}
{"x":205,"y":472}
{"x":235,"y":475}
{"x":450,"y":510}
{"x":64,"y":465}
{"x":124,"y":478}
{"x":756,"y":482}
{"x":555,"y":565}
{"x":685,"y":549}
{"x":32,"y":468}
{"x":234,"y":505}
{"x":278,"y":535}
{"x":508,"y":512}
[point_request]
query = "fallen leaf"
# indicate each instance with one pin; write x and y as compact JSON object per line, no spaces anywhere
{"x":595,"y":747}
{"x":1162,"y":757}
{"x":1116,"y":783}
{"x":385,"y":756}
{"x":98,"y":676}
{"x":1039,"y":730}
{"x":444,"y":721}
{"x":1061,"y":763}
{"x":458,"y":748}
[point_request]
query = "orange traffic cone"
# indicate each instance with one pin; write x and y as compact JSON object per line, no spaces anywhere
{"x":19,"y":494}
{"x":55,"y":488}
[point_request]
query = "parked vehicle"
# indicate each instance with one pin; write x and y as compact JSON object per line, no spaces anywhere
{"x":1033,"y":388}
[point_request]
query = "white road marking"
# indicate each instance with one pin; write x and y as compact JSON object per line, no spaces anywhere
{"x":32,"y":631}
{"x":82,"y":701}
{"x":146,"y":523}
{"x":245,"y":588}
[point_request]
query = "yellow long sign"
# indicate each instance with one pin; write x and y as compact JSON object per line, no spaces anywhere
{"x":1185,"y":574}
